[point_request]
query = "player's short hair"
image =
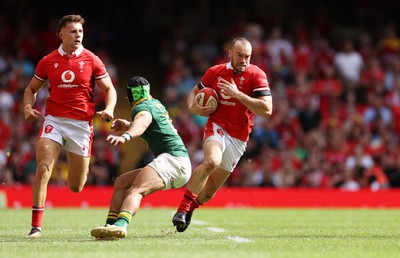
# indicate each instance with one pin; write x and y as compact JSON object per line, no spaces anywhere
{"x":68,"y":19}
{"x":240,"y":40}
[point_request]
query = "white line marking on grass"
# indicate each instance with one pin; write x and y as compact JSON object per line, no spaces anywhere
{"x":218,"y":230}
{"x":239,"y":239}
{"x":199,"y":222}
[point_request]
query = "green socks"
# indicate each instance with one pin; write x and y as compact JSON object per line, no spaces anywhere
{"x":124,"y":218}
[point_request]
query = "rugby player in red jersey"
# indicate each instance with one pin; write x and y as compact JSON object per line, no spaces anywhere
{"x":72,"y":72}
{"x":243,"y":92}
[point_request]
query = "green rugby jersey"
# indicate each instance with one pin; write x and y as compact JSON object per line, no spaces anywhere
{"x":160,"y":136}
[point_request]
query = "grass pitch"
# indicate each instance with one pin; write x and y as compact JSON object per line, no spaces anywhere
{"x":213,"y":233}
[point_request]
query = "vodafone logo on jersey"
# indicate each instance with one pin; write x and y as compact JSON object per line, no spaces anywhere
{"x":68,"y":76}
{"x":222,"y":94}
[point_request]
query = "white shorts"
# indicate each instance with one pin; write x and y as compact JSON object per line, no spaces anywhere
{"x":232,"y":148}
{"x":175,"y":171}
{"x":74,"y":135}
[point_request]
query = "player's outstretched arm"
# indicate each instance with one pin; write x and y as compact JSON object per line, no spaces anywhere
{"x":120,"y":125}
{"x":134,"y":129}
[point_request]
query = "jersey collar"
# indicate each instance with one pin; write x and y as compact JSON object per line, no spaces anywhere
{"x":77,"y":52}
{"x":229,"y":66}
{"x":141,"y":100}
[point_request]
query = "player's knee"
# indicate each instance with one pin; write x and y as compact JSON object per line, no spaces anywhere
{"x":118,"y":184}
{"x":211,"y":164}
{"x":76,"y":184}
{"x":43,"y":171}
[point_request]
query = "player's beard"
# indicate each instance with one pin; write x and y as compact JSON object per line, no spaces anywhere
{"x":239,"y":69}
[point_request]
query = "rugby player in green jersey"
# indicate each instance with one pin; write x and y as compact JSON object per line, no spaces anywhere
{"x":171,"y":167}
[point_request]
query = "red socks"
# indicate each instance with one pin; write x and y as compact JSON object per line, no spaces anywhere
{"x":188,"y":199}
{"x":195,"y":204}
{"x":189,"y":202}
{"x":37,"y":215}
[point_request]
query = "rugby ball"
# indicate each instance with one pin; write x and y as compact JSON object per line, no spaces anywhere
{"x":208,"y":97}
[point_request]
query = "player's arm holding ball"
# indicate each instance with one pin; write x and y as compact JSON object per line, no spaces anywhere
{"x":195,"y":107}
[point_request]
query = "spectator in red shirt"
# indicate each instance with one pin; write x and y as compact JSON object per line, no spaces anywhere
{"x":328,"y":88}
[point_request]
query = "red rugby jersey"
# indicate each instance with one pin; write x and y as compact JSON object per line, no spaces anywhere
{"x":72,"y":81}
{"x":231,"y":114}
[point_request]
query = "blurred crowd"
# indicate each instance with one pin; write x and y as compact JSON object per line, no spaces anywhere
{"x":335,"y":122}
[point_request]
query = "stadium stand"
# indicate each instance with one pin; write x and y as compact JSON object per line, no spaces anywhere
{"x":333,"y":125}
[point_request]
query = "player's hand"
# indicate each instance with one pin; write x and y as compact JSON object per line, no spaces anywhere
{"x":115,"y":140}
{"x":120,"y":125}
{"x":31,"y":115}
{"x":197,"y":109}
{"x":106,"y":115}
{"x":228,"y":88}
